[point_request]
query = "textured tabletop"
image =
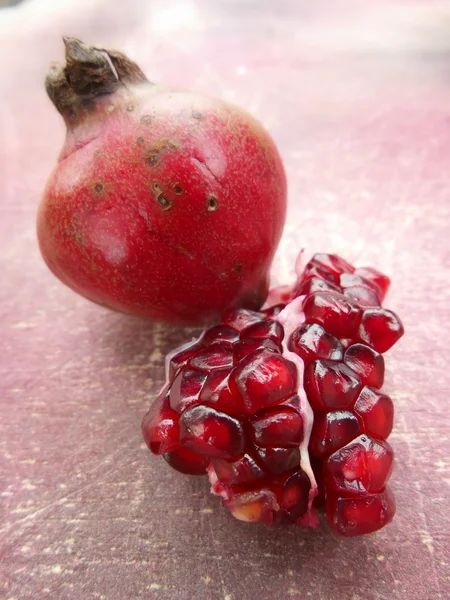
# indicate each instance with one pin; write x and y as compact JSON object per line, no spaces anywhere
{"x":357,"y":96}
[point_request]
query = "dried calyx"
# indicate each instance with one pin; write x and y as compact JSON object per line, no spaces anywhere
{"x":89,"y":72}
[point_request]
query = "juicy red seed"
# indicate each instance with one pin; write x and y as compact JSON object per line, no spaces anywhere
{"x":315,"y":284}
{"x":362,"y":466}
{"x":283,"y":428}
{"x":333,"y":263}
{"x":310,"y":341}
{"x":217,"y":356}
{"x":274,"y":311}
{"x":186,"y":388}
{"x":268,"y":329}
{"x":376,"y":279}
{"x":256,"y":505}
{"x":243,"y":471}
{"x":347,"y":280}
{"x":330,"y":385}
{"x":376,"y":411}
{"x":187,"y":462}
{"x":264,"y":378}
{"x":160,"y":430}
{"x":219,"y":333}
{"x":339,"y":315}
{"x":182,"y":358}
{"x":240,"y":318}
{"x":357,"y":516}
{"x":363,"y":295}
{"x":211,"y":433}
{"x":246,"y":347}
{"x":380,"y":328}
{"x":367,"y":363}
{"x":332,"y":431}
{"x":278,"y":460}
{"x":292,"y":403}
{"x":220,"y":392}
{"x":316,"y":271}
{"x":295,"y":495}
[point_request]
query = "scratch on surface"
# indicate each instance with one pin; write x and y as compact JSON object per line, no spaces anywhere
{"x":29,"y":518}
{"x":204,"y":168}
{"x":219,"y":558}
{"x":426,"y":537}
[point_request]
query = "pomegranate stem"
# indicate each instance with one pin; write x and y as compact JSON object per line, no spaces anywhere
{"x":89,"y":72}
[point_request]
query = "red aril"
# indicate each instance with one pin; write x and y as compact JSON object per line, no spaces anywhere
{"x":311,"y":341}
{"x":209,"y":432}
{"x":339,"y":315}
{"x":367,"y":363}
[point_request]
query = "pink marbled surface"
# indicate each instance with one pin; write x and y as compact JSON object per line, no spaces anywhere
{"x":357,"y":95}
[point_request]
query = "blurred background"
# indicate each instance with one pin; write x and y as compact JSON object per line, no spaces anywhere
{"x":357,"y":97}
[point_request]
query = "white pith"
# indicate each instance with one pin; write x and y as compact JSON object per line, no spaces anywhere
{"x":291,"y":318}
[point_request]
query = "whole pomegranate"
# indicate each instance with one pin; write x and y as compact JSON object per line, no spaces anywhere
{"x":165,"y":204}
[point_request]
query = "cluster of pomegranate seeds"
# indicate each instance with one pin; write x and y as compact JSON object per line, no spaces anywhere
{"x":341,"y":341}
{"x":269,"y":403}
{"x":231,"y":408}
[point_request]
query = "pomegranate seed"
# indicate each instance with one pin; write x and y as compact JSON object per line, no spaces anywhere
{"x":362,"y":466}
{"x":186,"y":388}
{"x":380,"y":328}
{"x":187,"y":462}
{"x":315,"y":284}
{"x":250,"y":346}
{"x":360,"y":515}
{"x":339,"y":315}
{"x":259,"y":505}
{"x":221,"y":393}
{"x":218,"y":334}
{"x":295,"y":495}
{"x":217,"y":356}
{"x":279,"y":460}
{"x":264,"y":378}
{"x":330,"y":385}
{"x":240,"y":318}
{"x":367,"y":363}
{"x":160,"y":427}
{"x":363,"y":295}
{"x":332,"y":262}
{"x":347,"y":280}
{"x":243,"y":471}
{"x":376,"y":279}
{"x":317,"y":271}
{"x":271,"y":330}
{"x":277,"y":428}
{"x":291,"y":403}
{"x":376,"y":411}
{"x":332,"y":431}
{"x":209,"y":432}
{"x":180,"y":359}
{"x":310,"y":341}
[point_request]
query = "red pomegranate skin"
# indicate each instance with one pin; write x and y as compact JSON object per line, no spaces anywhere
{"x":164,"y":204}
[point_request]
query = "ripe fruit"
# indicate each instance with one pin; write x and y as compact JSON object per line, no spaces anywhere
{"x":282,"y":408}
{"x":164,"y":204}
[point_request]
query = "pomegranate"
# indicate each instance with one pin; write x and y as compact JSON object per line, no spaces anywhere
{"x":165,"y":204}
{"x":282,"y":407}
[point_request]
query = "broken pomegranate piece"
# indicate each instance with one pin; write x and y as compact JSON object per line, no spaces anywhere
{"x":283,"y":408}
